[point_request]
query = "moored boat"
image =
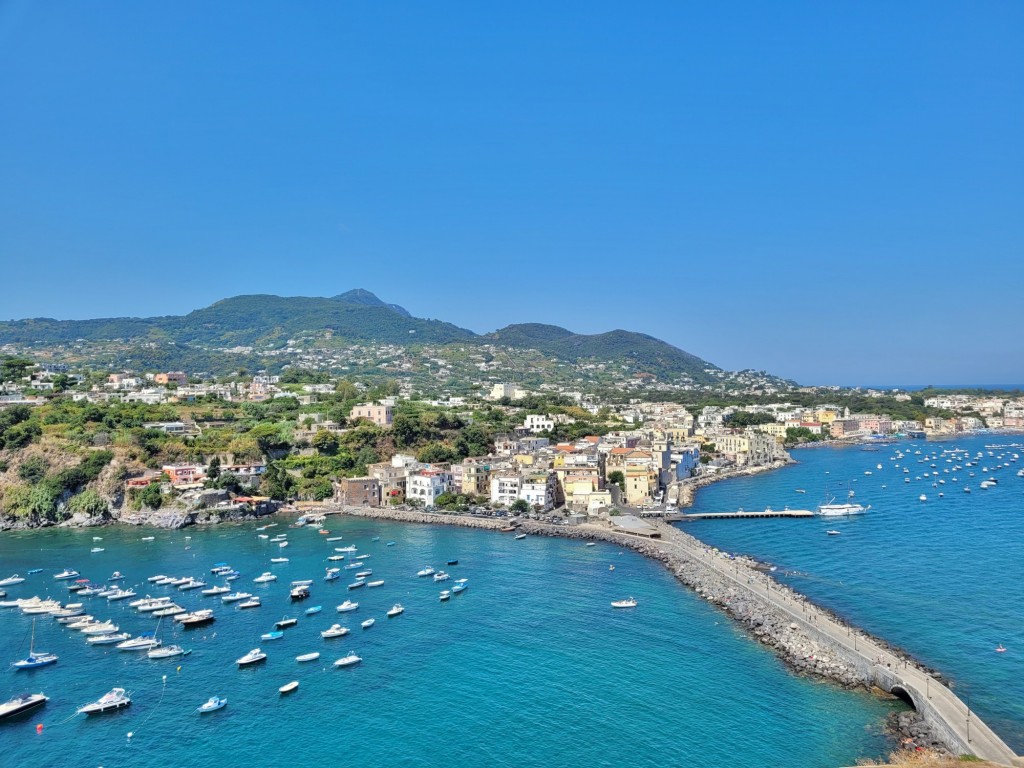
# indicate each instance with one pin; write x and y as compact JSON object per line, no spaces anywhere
{"x":288,"y":687}
{"x":396,"y":610}
{"x":116,"y":699}
{"x":285,"y":623}
{"x":21,"y":704}
{"x":252,"y":657}
{"x":347,"y":661}
{"x":628,"y":603}
{"x":336,"y":630}
{"x":348,"y":605}
{"x":212,"y":705}
{"x":307,"y":657}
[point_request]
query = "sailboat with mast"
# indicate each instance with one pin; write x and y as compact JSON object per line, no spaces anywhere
{"x":34,"y":659}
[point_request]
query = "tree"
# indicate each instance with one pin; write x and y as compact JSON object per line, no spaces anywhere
{"x":150,"y":496}
{"x":14,"y":368}
{"x":325,"y":442}
{"x":213,"y":470}
{"x":437,"y":453}
{"x":617,"y":478}
{"x":520,"y":507}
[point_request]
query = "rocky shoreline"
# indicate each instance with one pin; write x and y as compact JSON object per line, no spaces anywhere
{"x":801,"y":652}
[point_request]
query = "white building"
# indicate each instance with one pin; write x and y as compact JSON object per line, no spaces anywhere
{"x":535,"y":424}
{"x":426,"y":485}
{"x":505,"y":487}
{"x":539,"y":490}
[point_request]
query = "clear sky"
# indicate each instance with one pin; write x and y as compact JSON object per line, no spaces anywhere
{"x":832,"y":191}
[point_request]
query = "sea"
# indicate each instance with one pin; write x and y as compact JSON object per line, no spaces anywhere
{"x":940,"y":577}
{"x":530,"y":665}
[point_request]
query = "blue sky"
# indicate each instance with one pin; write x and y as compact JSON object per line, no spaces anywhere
{"x":830,"y":191}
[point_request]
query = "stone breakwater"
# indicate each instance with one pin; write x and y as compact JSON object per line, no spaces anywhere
{"x":793,"y":639}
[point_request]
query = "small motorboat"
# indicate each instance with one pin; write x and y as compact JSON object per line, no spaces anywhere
{"x":20,"y":704}
{"x":357,"y":584}
{"x":32,"y":571}
{"x":279,"y":559}
{"x":108,"y":639}
{"x":252,"y":602}
{"x":452,"y":562}
{"x":299,"y":593}
{"x":167,"y":652}
{"x":334,"y":538}
{"x":519,"y":536}
{"x":347,"y":661}
{"x":348,"y":605}
{"x":285,"y":623}
{"x":396,"y":610}
{"x":148,"y":538}
{"x":362,"y":557}
{"x":234,"y":597}
{"x":252,"y":657}
{"x":10,"y":581}
{"x":364,"y":574}
{"x":336,"y":630}
{"x":116,"y":576}
{"x":629,"y":603}
{"x":368,"y":623}
{"x":307,"y":657}
{"x":611,"y":567}
{"x":389,"y":544}
{"x":833,"y":533}
{"x":67,"y":573}
{"x":441,"y":576}
{"x":1000,"y":649}
{"x":118,"y":698}
{"x":375,"y":538}
{"x":277,"y":635}
{"x":288,"y":687}
{"x":212,"y":705}
{"x":195,"y":619}
{"x":445,"y":595}
{"x":336,"y":558}
{"x":100,"y":628}
{"x":378,"y":583}
{"x":265,"y":577}
{"x":427,"y":571}
{"x":214,"y":591}
{"x":96,"y":550}
{"x":590,"y":544}
{"x":458,"y":588}
{"x":302,"y":582}
{"x":315,"y":609}
{"x":141,"y":643}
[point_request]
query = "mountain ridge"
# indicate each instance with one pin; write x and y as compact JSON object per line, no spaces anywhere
{"x":267,"y":322}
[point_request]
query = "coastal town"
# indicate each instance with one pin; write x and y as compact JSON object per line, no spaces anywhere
{"x":251,"y":442}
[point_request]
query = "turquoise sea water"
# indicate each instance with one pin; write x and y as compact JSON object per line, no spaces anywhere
{"x":529,"y":667}
{"x":941,"y":578}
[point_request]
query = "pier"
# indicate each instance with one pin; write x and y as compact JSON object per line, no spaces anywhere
{"x":738,"y":515}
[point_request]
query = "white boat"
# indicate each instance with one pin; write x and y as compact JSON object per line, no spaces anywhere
{"x":922,"y":497}
{"x":519,"y":536}
{"x":445,"y":595}
{"x":100,"y":628}
{"x":841,"y":510}
{"x":148,"y":604}
{"x":212,"y":705}
{"x":140,"y":643}
{"x":10,"y":581}
{"x":590,"y":544}
{"x":441,"y":576}
{"x":23,"y":703}
{"x":346,"y":549}
{"x":334,"y":538}
{"x":302,"y":582}
{"x":121,"y":594}
{"x":82,"y":623}
{"x":252,"y":657}
{"x":396,"y":610}
{"x":167,"y":652}
{"x":282,"y":544}
{"x":377,"y":583}
{"x":833,"y":533}
{"x":148,"y":538}
{"x":265,"y":577}
{"x":116,"y":699}
{"x":362,"y":557}
{"x":279,"y":560}
{"x":364,"y":574}
{"x":234,"y":597}
{"x":191,"y":584}
{"x":172,"y":609}
{"x":213,"y":591}
{"x":275,"y":635}
{"x":368,"y":623}
{"x":252,"y":602}
{"x":629,"y":603}
{"x":34,"y":659}
{"x":314,"y":610}
{"x":348,"y":605}
{"x":336,"y":558}
{"x":336,"y":630}
{"x":67,"y":573}
{"x":96,"y":550}
{"x":288,"y":687}
{"x":428,"y":571}
{"x":109,"y":639}
{"x":347,"y":661}
{"x":307,"y":657}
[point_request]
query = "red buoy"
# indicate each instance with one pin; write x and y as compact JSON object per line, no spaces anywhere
{"x":39,"y":728}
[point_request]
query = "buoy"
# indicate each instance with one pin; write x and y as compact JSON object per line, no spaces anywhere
{"x":130,"y":734}
{"x":39,"y":728}
{"x":179,"y":669}
{"x":165,"y":676}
